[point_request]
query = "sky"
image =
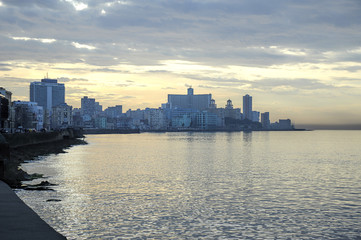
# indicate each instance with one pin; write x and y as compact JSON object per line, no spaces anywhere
{"x":298,"y":59}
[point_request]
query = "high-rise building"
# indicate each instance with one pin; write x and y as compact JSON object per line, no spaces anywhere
{"x":247,"y":107}
{"x":190,"y":101}
{"x":48,"y":93}
{"x":265,"y":120}
{"x":90,"y":107}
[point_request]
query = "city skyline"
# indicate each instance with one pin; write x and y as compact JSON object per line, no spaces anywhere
{"x":297,"y":60}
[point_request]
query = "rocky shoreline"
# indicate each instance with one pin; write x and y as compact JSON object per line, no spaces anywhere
{"x":13,"y":157}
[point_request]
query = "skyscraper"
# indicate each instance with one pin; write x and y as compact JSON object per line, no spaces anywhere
{"x":48,"y":93}
{"x":247,"y":107}
{"x":265,"y":120}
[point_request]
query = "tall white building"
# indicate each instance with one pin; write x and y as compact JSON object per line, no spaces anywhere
{"x":247,"y":107}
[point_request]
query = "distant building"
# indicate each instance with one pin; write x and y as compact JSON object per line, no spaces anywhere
{"x":183,"y":118}
{"x":157,"y":119}
{"x":77,"y":118}
{"x":48,"y":93}
{"x":213,"y":104}
{"x":101,"y":122}
{"x":114,"y":112}
{"x":28,"y":115}
{"x":89,"y":106}
{"x":62,"y":116}
{"x":190,"y":101}
{"x":230,"y":112}
{"x":285,"y":124}
{"x":255,"y":116}
{"x":247,"y":107}
{"x":265,"y":121}
{"x":206,"y":120}
{"x":282,"y":124}
{"x":90,"y":109}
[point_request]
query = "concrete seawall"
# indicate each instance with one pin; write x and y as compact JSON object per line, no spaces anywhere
{"x":18,"y":221}
{"x":23,"y":139}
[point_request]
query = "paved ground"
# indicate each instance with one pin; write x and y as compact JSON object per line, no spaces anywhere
{"x":18,"y":221}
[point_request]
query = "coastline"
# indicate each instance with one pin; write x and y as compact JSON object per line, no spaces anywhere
{"x":17,"y":220}
{"x":14,"y":175}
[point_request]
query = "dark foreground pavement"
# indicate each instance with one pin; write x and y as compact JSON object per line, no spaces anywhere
{"x":18,"y":221}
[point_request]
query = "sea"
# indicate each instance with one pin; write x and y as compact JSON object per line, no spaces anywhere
{"x":203,"y":185}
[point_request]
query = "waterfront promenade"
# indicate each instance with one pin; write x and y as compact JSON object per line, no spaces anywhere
{"x":18,"y":221}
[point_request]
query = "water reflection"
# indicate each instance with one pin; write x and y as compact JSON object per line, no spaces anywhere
{"x":205,"y":186}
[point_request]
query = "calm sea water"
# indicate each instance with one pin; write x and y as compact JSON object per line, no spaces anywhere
{"x":259,"y":185}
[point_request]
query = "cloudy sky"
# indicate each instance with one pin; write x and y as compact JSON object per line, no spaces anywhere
{"x":298,"y":59}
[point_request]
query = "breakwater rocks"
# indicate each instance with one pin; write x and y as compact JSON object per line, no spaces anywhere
{"x":19,"y":147}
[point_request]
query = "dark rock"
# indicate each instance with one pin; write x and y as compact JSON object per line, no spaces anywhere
{"x":53,"y":200}
{"x":41,"y":188}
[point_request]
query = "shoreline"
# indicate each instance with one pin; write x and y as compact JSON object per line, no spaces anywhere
{"x":20,"y":147}
{"x":14,"y":175}
{"x":17,"y":220}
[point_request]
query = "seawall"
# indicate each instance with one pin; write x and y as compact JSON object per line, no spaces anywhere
{"x":18,"y":221}
{"x":23,"y":139}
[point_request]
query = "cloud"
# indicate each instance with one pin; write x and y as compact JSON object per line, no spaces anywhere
{"x":43,"y":40}
{"x":65,"y":79}
{"x":355,"y":68}
{"x":249,"y":32}
{"x":207,"y":86}
{"x":127,"y":97}
{"x":85,"y":46}
{"x":229,"y":45}
{"x":110,"y":70}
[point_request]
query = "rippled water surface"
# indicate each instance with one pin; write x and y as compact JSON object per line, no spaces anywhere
{"x":259,"y":185}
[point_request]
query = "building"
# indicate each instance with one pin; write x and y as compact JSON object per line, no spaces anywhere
{"x":247,"y":107}
{"x":265,"y":121}
{"x":157,"y":119}
{"x":89,"y":106}
{"x":206,"y":120}
{"x":114,"y":112}
{"x":255,"y":116}
{"x":183,"y":118}
{"x":28,"y":115}
{"x":101,"y":122}
{"x":48,"y":93}
{"x":285,"y":124}
{"x":230,"y":112}
{"x":89,"y":110}
{"x":190,"y":101}
{"x":5,"y":109}
{"x":62,"y":116}
{"x":77,"y":118}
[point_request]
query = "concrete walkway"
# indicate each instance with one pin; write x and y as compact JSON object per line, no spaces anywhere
{"x":18,"y":221}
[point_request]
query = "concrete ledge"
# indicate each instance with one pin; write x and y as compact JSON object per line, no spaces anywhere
{"x":18,"y":221}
